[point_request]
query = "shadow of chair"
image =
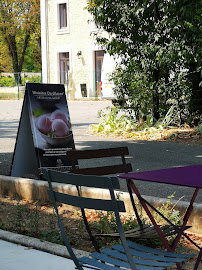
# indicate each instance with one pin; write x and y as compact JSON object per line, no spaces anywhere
{"x":120,"y":256}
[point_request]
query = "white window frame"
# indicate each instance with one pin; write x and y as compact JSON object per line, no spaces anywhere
{"x":62,"y":30}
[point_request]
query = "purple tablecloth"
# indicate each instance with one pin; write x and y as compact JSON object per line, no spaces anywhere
{"x":190,"y":176}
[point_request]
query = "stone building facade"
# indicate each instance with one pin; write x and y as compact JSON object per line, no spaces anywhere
{"x":69,"y":52}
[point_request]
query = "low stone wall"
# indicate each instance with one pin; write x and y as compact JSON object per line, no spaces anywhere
{"x":36,"y":190}
{"x":13,"y":89}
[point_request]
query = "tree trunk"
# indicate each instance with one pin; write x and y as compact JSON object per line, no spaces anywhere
{"x":17,"y":63}
{"x":156,"y":95}
{"x":195,"y":105}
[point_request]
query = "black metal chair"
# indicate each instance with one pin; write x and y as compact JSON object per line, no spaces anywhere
{"x":121,"y":256}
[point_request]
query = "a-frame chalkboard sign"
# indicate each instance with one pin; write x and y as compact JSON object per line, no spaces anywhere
{"x":44,"y":132}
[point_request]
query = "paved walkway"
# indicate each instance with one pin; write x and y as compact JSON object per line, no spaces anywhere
{"x":17,"y":257}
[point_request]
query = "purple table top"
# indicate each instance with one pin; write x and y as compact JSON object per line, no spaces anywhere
{"x":188,"y":176}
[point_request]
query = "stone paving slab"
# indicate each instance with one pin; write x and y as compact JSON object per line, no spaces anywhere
{"x":17,"y":257}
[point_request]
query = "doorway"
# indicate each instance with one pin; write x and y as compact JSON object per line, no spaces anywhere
{"x":99,"y":56}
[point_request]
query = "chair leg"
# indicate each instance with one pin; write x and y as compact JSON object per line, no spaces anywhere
{"x":134,"y":206}
{"x":198,"y":260}
{"x":92,"y":238}
{"x":183,"y":266}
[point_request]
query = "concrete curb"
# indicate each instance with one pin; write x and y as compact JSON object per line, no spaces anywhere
{"x":36,"y":190}
{"x":52,"y":248}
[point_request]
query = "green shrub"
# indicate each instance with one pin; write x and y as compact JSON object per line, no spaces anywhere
{"x":33,"y":79}
{"x":10,"y":81}
{"x":169,"y":211}
{"x":7,"y":81}
{"x":200,"y":129}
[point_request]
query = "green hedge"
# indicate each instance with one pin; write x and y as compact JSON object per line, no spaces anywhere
{"x":7,"y":81}
{"x":10,"y":81}
{"x":33,"y":79}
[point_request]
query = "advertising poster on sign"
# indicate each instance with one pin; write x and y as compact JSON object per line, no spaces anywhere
{"x":50,"y":124}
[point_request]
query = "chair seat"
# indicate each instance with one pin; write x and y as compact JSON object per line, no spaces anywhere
{"x":144,"y":257}
{"x":145,"y":232}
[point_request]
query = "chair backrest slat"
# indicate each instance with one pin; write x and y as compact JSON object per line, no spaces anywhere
{"x":75,"y":179}
{"x":105,"y":170}
{"x":89,"y":203}
{"x":105,"y":166}
{"x":97,"y":153}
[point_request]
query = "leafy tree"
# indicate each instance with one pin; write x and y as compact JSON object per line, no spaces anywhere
{"x":5,"y":63}
{"x":18,"y":21}
{"x":159,"y":44}
{"x":32,"y":61}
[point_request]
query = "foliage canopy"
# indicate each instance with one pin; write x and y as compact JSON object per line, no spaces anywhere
{"x":159,"y":44}
{"x":19,"y":24}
